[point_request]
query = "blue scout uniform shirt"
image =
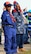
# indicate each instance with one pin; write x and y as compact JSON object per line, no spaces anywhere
{"x":6,"y":19}
{"x":9,"y":33}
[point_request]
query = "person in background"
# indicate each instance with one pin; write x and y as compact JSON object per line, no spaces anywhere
{"x":28,"y":17}
{"x":9,"y":27}
{"x":29,"y":25}
{"x":17,"y":13}
{"x":25,"y":27}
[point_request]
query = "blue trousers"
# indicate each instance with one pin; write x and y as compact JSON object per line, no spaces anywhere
{"x":20,"y":40}
{"x":10,"y":45}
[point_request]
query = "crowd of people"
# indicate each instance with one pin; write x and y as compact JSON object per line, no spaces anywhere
{"x":14,"y":26}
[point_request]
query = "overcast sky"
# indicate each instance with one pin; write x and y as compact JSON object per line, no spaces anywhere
{"x":23,"y":4}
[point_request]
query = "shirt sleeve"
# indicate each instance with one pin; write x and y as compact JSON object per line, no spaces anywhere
{"x":3,"y":17}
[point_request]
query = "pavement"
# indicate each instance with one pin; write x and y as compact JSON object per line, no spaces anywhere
{"x":26,"y":46}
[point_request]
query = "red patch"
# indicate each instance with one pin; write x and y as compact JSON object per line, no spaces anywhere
{"x":14,"y":10}
{"x":7,"y":3}
{"x":13,"y":19}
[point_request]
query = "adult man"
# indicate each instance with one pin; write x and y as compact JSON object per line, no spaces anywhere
{"x":9,"y":27}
